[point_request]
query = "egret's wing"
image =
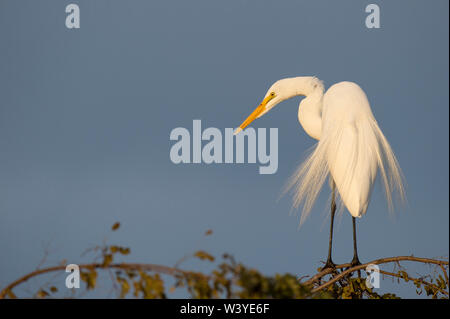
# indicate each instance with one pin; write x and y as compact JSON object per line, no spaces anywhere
{"x":352,"y":148}
{"x":342,"y":152}
{"x":352,"y":162}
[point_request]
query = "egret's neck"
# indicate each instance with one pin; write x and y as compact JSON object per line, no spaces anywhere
{"x":310,"y":109}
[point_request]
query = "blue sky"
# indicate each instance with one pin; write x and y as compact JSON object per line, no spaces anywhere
{"x":85,"y":118}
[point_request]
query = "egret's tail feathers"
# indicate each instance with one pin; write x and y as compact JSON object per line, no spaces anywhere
{"x":308,"y":179}
{"x":391,"y":173}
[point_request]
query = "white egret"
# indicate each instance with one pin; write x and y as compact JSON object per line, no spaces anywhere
{"x":351,"y":147}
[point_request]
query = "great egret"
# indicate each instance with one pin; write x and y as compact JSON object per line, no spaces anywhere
{"x":351,"y":148}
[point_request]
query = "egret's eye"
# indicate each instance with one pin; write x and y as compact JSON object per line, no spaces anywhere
{"x":272,"y":94}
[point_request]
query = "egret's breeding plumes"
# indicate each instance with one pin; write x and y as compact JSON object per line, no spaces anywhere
{"x":351,"y":147}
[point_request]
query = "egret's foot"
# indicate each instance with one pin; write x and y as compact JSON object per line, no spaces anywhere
{"x":355,"y":262}
{"x":329,"y":265}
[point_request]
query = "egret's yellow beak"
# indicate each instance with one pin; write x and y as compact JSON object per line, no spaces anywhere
{"x":261,"y":108}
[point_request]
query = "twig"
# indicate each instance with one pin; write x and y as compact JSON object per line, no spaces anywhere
{"x":414,"y":279}
{"x":445,"y":273}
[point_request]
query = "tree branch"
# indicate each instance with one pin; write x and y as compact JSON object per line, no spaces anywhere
{"x":328,"y":271}
{"x":124,"y":266}
{"x":363,"y":266}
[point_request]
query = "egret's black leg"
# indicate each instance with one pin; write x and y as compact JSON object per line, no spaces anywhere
{"x":355,"y":260}
{"x":330,"y":263}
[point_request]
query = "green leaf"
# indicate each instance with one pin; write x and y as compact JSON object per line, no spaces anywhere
{"x":107,"y":259}
{"x":208,"y":232}
{"x":90,"y":278}
{"x":203,"y":255}
{"x":124,"y":285}
{"x":124,"y":250}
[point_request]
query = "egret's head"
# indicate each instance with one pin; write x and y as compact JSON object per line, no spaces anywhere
{"x":274,"y":95}
{"x":282,"y":90}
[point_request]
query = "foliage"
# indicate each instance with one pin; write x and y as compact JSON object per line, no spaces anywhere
{"x":230,"y":279}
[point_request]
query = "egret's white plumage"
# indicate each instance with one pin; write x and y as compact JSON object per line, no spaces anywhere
{"x":351,"y":146}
